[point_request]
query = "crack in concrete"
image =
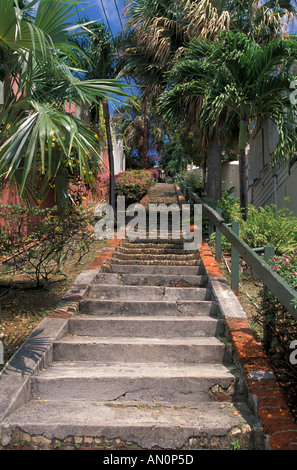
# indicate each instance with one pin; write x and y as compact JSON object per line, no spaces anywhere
{"x":123,"y":395}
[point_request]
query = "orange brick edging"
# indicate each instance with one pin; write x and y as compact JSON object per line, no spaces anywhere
{"x":268,"y":399}
{"x":104,"y":254}
{"x":272,"y":409}
{"x":209,"y":261}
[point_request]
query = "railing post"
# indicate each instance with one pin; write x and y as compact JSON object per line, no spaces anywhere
{"x":269,"y":252}
{"x":235,"y":262}
{"x":268,"y":320}
{"x":210,"y":223}
{"x":218,"y":240}
{"x":186,"y":194}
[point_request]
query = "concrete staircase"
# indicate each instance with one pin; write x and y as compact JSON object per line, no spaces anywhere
{"x":145,"y":364}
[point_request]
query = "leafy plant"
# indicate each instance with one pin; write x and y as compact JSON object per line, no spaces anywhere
{"x":264,"y":226}
{"x":41,"y":254}
{"x":230,"y":206}
{"x":286,"y":266}
{"x":194,"y":181}
{"x":133,"y":184}
{"x":41,"y":64}
{"x":235,"y":445}
{"x":268,"y":226}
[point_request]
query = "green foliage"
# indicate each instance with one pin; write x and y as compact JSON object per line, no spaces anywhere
{"x":268,"y":226}
{"x":264,"y":226}
{"x":230,"y":206}
{"x":279,"y":327}
{"x":133,"y":184}
{"x":194,"y":181}
{"x":46,"y":75}
{"x":37,"y":242}
{"x":286,"y":266}
{"x":174,"y":159}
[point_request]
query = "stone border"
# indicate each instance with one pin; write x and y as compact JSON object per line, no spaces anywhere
{"x":34,"y":354}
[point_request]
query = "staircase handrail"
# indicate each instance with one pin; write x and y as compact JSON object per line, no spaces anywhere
{"x":286,"y":295}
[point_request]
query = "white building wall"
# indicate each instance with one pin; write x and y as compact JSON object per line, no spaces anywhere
{"x":267,"y":185}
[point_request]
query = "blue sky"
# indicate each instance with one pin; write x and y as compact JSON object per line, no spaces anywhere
{"x":95,"y":11}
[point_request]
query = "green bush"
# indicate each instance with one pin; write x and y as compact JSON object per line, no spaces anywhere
{"x":279,"y":327}
{"x":133,"y":184}
{"x":268,"y":226}
{"x":264,"y":226}
{"x":230,"y":210}
{"x":230,"y":206}
{"x":38,"y":242}
{"x":286,"y":266}
{"x":194,"y":181}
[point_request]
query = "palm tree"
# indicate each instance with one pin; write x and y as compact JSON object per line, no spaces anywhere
{"x":101,"y":61}
{"x":238,"y":77}
{"x":42,"y":61}
{"x":159,"y":33}
{"x":162,"y":31}
{"x":140,"y":130}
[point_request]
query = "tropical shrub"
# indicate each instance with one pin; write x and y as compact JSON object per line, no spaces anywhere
{"x":230,"y":206}
{"x":155,"y":174}
{"x":194,"y":181}
{"x":133,"y":184}
{"x":279,"y":327}
{"x":286,"y":266}
{"x":36,"y":243}
{"x":268,"y":226}
{"x":264,"y":226}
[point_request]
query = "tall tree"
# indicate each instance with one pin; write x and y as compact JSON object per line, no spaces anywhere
{"x":237,"y":76}
{"x":162,"y":30}
{"x":141,"y":131}
{"x":101,"y":52}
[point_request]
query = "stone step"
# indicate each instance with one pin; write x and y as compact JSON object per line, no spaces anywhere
{"x":200,"y":426}
{"x":149,"y":326}
{"x":155,"y":257}
{"x":145,"y":364}
{"x":190,"y":350}
{"x":107,"y":292}
{"x":157,"y":250}
{"x":115,"y":259}
{"x":152,"y":243}
{"x":155,"y":269}
{"x":170,"y":280}
{"x":148,"y":307}
{"x":133,"y":382}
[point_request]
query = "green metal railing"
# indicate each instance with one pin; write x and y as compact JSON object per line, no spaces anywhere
{"x":273,"y":281}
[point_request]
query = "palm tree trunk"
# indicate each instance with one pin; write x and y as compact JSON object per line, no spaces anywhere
{"x":110,"y":153}
{"x":145,"y":135}
{"x":243,"y":138}
{"x":242,"y":183}
{"x":214,"y":169}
